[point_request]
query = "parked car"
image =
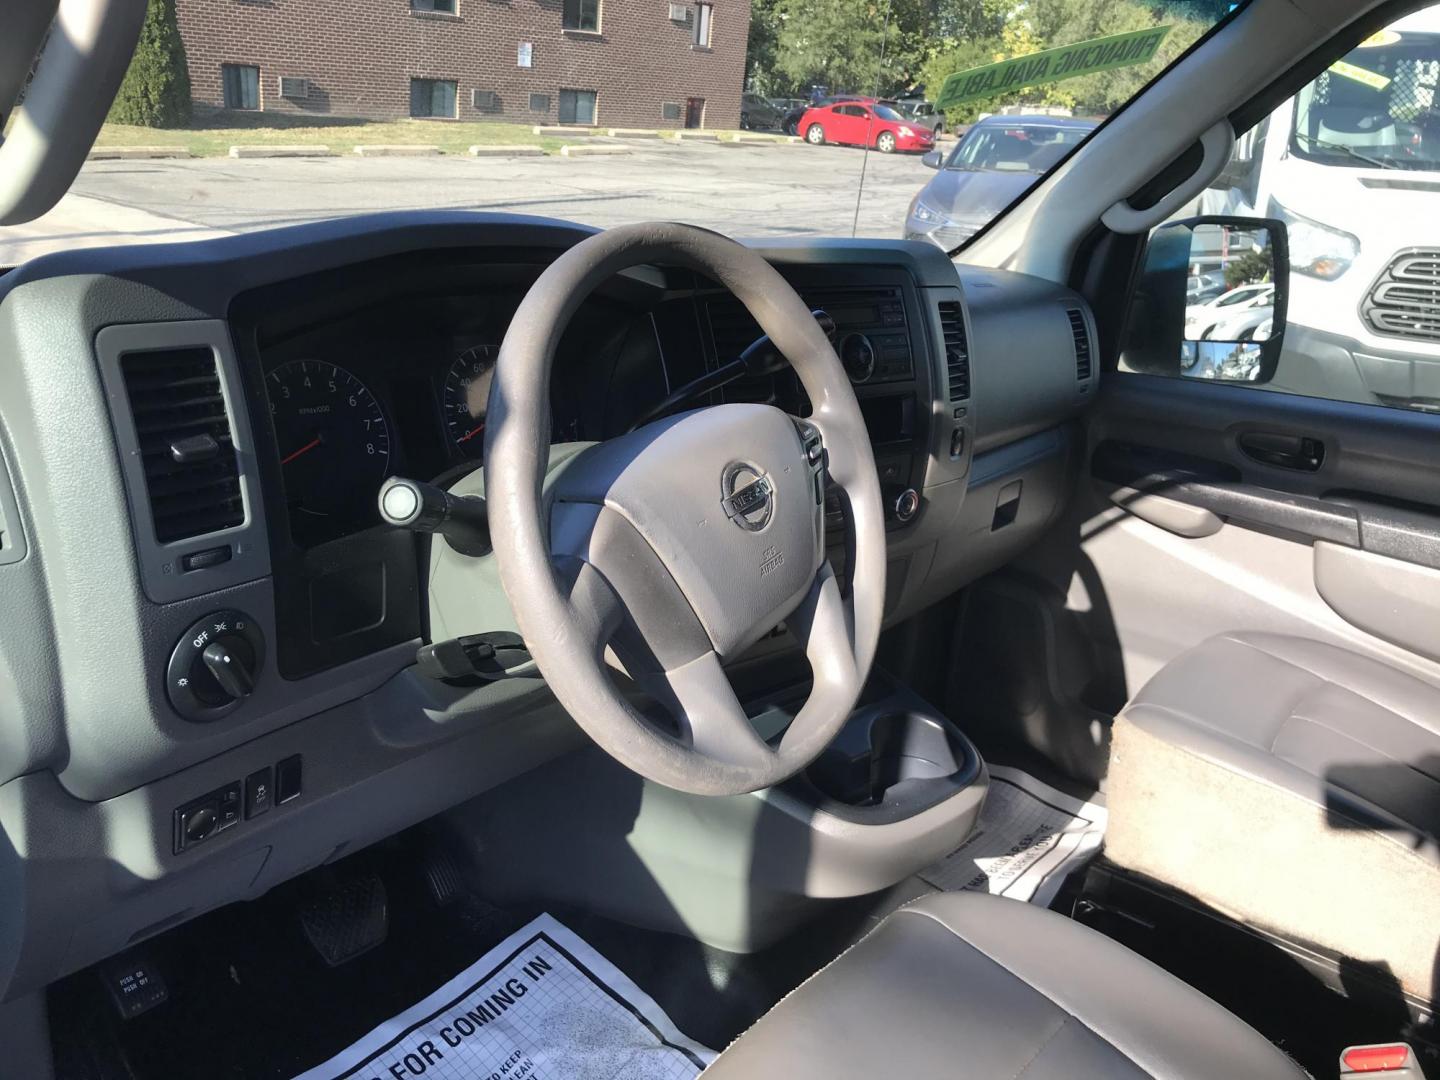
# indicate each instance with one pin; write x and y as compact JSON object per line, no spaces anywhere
{"x":791,"y":122}
{"x":923,"y":113}
{"x":1202,"y":288}
{"x":757,"y":113}
{"x":1236,"y":315}
{"x":864,"y":123}
{"x":1349,"y":165}
{"x":996,"y":162}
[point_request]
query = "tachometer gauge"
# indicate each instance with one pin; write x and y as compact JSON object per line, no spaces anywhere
{"x":467,"y":391}
{"x":334,"y":443}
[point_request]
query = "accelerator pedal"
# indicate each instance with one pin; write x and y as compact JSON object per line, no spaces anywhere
{"x":348,"y":920}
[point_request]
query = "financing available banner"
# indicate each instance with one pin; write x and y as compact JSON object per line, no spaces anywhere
{"x":1052,"y":65}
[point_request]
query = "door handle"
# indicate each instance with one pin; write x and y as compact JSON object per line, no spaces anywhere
{"x":1300,"y":452}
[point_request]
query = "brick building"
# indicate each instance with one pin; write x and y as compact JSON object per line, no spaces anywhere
{"x":623,"y":63}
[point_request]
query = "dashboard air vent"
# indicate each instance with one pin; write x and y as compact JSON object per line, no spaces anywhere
{"x":1082,"y":342}
{"x":957,"y":352}
{"x":186,"y":448}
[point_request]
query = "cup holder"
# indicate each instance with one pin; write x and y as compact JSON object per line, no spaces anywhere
{"x":894,"y":757}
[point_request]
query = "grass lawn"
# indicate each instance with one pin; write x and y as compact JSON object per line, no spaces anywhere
{"x":212,"y":136}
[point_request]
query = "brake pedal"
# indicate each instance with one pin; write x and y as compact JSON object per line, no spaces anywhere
{"x":348,"y":920}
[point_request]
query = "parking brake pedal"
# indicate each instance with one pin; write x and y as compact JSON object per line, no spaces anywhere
{"x":348,"y":920}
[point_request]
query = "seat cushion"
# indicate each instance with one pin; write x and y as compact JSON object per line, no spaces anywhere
{"x":1293,"y":785}
{"x":963,"y":985}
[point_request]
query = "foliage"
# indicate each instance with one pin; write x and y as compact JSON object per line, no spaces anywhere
{"x":859,"y":46}
{"x":156,"y":89}
{"x":897,"y":45}
{"x":1250,"y":268}
{"x":765,"y":29}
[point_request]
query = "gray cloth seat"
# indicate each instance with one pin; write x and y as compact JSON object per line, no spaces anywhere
{"x":963,"y":985}
{"x":1292,"y":785}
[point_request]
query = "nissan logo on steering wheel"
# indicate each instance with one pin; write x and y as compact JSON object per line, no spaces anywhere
{"x":747,"y":496}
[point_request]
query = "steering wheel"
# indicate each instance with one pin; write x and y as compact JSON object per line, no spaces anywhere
{"x":673,"y":548}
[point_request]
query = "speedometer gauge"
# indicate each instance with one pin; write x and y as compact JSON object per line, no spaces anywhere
{"x":334,"y":443}
{"x":467,"y":392}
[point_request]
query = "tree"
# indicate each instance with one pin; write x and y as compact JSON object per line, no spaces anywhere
{"x":1064,"y":22}
{"x":1250,"y":268}
{"x":765,"y":28}
{"x":845,"y":45}
{"x":156,"y":89}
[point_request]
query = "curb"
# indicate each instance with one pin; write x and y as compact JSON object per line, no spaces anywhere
{"x":279,"y":151}
{"x":573,"y":132}
{"x":401,"y":150}
{"x":506,"y":151}
{"x":698,"y":134}
{"x":634,"y":133}
{"x":130,"y":153}
{"x":594,"y":150}
{"x":744,"y":138}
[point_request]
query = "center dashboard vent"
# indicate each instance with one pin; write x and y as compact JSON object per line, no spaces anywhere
{"x":186,"y":446}
{"x":1081,"y":334}
{"x":957,"y":351}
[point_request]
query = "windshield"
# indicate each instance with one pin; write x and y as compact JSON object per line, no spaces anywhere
{"x":1022,"y":148}
{"x":244,"y":116}
{"x":1377,"y":108}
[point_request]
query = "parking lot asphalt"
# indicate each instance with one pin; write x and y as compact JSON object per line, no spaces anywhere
{"x":741,"y":190}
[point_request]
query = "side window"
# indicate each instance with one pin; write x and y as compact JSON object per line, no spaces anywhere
{"x":1351,"y":165}
{"x":240,"y":86}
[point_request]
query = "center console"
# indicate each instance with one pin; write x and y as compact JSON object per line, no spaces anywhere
{"x":900,"y":788}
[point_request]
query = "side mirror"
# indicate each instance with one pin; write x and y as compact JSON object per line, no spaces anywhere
{"x":934,"y":159}
{"x":1211,"y":301}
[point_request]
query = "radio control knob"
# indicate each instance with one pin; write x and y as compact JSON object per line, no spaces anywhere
{"x":858,"y":355}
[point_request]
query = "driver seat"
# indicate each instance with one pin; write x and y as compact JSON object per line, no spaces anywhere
{"x":964,"y":985}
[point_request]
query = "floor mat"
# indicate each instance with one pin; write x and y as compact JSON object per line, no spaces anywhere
{"x":1030,"y":838}
{"x":542,"y":1003}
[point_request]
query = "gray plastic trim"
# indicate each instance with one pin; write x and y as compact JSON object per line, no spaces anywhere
{"x":160,"y":564}
{"x":1394,"y":600}
{"x":12,"y":531}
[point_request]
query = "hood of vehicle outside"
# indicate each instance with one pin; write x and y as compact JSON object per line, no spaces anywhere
{"x":975,"y":195}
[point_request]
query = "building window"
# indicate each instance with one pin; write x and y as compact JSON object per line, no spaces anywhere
{"x":577,"y":106}
{"x":540,"y":103}
{"x":432,"y":98}
{"x":670,"y":110}
{"x":703,"y":14}
{"x":241,"y":83}
{"x":582,"y":15}
{"x":446,"y":6}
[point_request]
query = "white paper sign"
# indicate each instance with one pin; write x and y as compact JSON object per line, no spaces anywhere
{"x":541,"y":1005}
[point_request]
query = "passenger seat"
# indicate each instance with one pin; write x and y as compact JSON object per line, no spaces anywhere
{"x":1292,"y":785}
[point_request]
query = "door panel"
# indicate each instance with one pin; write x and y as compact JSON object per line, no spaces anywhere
{"x":1182,"y":530}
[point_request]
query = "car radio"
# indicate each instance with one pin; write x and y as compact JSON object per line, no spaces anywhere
{"x":872,"y":336}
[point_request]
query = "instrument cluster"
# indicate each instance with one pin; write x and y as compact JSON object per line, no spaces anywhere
{"x":396,"y":390}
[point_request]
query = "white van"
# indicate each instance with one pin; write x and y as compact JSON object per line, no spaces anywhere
{"x":1351,"y":164}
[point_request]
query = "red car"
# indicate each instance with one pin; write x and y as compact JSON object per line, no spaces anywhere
{"x":864,"y":123}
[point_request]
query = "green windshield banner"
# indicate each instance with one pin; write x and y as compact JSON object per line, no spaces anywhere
{"x":1052,"y":65}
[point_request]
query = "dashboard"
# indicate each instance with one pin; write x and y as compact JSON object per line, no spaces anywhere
{"x":191,"y":441}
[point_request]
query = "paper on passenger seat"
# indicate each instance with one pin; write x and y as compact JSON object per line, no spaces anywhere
{"x":1030,"y":838}
{"x":541,"y":1005}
